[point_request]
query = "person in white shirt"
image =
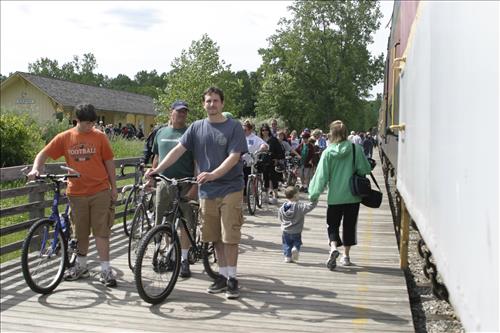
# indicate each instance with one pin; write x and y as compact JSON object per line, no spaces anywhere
{"x":294,"y":140}
{"x":255,"y":144}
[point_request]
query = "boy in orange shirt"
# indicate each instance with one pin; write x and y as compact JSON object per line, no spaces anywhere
{"x":92,"y":196}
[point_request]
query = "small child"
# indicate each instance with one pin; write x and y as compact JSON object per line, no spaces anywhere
{"x":291,"y":215}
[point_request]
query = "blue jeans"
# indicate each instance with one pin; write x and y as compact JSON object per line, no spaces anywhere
{"x":290,"y":241}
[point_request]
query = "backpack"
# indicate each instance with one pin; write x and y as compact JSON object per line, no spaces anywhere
{"x":148,"y":145}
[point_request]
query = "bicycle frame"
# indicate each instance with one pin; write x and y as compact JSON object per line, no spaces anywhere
{"x":61,"y":221}
{"x":179,"y":218}
{"x":61,"y":224}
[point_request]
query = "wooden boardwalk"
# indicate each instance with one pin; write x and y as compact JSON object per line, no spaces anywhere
{"x":275,"y":296}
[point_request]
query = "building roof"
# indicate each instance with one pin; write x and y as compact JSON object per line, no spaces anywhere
{"x":71,"y":94}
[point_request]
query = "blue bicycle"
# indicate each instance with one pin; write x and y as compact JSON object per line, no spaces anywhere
{"x":48,"y":249}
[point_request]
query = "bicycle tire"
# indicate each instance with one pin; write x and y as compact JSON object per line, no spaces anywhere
{"x":37,"y":266}
{"x":140,"y":226}
{"x":131,"y":200}
{"x":210,"y":260}
{"x":158,"y":252}
{"x":260,"y":192}
{"x":251,"y":195}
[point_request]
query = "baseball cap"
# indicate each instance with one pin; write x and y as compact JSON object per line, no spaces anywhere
{"x":227,"y":114}
{"x":179,"y":105}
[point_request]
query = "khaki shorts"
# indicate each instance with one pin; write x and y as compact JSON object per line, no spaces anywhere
{"x":222,"y":218}
{"x":96,"y":212}
{"x":165,"y":195}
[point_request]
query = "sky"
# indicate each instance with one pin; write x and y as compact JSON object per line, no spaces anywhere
{"x":129,"y":36}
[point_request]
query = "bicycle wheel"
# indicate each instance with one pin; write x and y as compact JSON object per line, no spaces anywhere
{"x":210,"y":260}
{"x":259,"y":192}
{"x":43,"y":257}
{"x":130,"y":203}
{"x":251,"y":194}
{"x":158,"y":264}
{"x":140,"y":226}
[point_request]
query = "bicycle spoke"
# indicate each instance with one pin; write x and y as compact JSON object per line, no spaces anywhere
{"x":157,"y":265}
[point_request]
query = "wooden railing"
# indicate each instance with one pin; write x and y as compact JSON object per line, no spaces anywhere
{"x":36,"y":202}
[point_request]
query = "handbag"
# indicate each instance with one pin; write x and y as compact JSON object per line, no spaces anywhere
{"x":370,"y":197}
{"x":360,"y":185}
{"x":374,"y":198}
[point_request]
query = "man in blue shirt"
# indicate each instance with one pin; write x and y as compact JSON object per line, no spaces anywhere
{"x":217,"y":144}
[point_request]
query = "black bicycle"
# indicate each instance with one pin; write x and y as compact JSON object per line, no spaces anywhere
{"x":158,"y":260}
{"x":134,"y":197}
{"x":292,"y":166}
{"x":48,"y":248}
{"x":142,"y":222}
{"x":255,"y":183}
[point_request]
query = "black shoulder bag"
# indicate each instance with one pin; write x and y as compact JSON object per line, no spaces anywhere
{"x":360,"y":186}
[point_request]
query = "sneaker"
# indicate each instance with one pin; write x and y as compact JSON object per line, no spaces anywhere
{"x":185,"y":271}
{"x":288,"y":259}
{"x":219,"y":285}
{"x":232,"y":291}
{"x":331,"y":263}
{"x":345,"y":261}
{"x":107,"y":278}
{"x":76,"y":272}
{"x":295,"y":255}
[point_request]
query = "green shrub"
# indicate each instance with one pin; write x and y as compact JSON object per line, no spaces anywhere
{"x":126,"y":148}
{"x":53,"y":127}
{"x":20,"y":138}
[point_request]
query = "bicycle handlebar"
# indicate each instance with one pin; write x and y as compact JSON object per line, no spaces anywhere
{"x":139,"y":165}
{"x":174,"y":181}
{"x":53,"y":176}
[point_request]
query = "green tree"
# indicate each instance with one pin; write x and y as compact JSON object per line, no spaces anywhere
{"x":317,"y":67}
{"x":248,"y":93}
{"x":150,"y":83}
{"x":196,"y":69}
{"x":46,"y":67}
{"x":79,"y":70}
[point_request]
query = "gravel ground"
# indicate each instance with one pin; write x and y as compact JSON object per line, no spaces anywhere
{"x":429,"y":313}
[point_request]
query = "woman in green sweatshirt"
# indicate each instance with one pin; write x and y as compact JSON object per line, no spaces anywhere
{"x":335,"y":169}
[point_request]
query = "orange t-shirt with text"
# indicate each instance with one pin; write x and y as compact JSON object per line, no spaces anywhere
{"x":86,"y":153}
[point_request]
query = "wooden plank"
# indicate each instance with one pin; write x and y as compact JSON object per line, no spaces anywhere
{"x":18,"y":191}
{"x":14,"y":173}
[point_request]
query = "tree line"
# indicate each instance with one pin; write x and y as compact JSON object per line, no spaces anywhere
{"x":316,"y":69}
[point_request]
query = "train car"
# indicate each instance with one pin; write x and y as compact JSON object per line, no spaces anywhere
{"x":438,"y":134}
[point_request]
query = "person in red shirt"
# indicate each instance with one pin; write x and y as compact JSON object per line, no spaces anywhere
{"x":92,"y":195}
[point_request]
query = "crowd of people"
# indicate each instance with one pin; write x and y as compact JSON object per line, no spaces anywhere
{"x":127,"y":131}
{"x":213,"y":150}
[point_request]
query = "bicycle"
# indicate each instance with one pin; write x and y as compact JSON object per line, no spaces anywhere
{"x":292,"y":165}
{"x":159,"y":257}
{"x":133,"y":198}
{"x":142,"y":222}
{"x":48,"y":250}
{"x":255,"y":182}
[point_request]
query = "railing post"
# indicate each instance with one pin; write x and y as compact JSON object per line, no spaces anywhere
{"x":404,"y":236}
{"x":34,"y":196}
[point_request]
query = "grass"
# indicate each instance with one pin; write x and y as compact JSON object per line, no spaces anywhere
{"x":121,"y":148}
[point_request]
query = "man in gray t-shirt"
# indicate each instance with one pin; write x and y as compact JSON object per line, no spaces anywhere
{"x":217,"y":144}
